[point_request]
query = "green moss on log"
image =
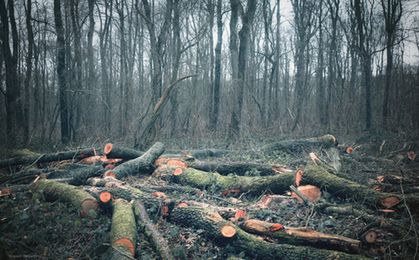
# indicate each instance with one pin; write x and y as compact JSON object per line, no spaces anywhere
{"x":75,"y":196}
{"x":123,"y":232}
{"x":211,"y":222}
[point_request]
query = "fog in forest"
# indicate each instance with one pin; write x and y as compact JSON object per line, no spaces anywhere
{"x":136,"y":71}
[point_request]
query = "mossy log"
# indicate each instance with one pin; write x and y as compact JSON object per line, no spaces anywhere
{"x":150,"y":230}
{"x":140,"y":165}
{"x":124,"y":231}
{"x":212,"y":223}
{"x":238,"y":168}
{"x":301,"y":145}
{"x":236,"y":184}
{"x":301,"y":236}
{"x":80,"y":199}
{"x":321,"y":176}
{"x":49,"y":157}
{"x":115,"y":151}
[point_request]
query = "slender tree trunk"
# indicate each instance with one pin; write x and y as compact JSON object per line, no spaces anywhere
{"x":62,"y":86}
{"x":247,"y":20}
{"x":13,"y":98}
{"x":218,"y":69}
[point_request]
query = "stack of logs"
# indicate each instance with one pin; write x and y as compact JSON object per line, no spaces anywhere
{"x":96,"y":189}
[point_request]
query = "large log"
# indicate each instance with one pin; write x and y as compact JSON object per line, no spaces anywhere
{"x":301,"y":236}
{"x":301,"y":145}
{"x":215,"y":226}
{"x":115,"y":151}
{"x":49,"y":157}
{"x":124,"y":231}
{"x":140,"y":165}
{"x":238,"y":168}
{"x":236,"y":184}
{"x":80,"y":199}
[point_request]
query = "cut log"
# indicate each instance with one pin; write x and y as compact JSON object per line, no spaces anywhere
{"x":50,"y":157}
{"x":322,"y":177}
{"x":212,"y":223}
{"x":105,"y":201}
{"x":115,"y":151}
{"x":205,"y":153}
{"x":301,"y":145}
{"x":238,"y":184}
{"x":140,"y":165}
{"x":124,"y":231}
{"x":301,"y":236}
{"x":238,"y":168}
{"x":158,"y":240}
{"x":80,"y":199}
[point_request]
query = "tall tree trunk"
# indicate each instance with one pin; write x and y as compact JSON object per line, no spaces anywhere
{"x":218,"y":69}
{"x":247,"y":20}
{"x":28,"y":75}
{"x":62,"y":86}
{"x":13,"y":99}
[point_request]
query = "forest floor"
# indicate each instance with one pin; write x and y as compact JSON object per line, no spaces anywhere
{"x":34,"y":227}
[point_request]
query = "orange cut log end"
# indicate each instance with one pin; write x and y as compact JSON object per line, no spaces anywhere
{"x":370,"y":236}
{"x":298,"y":177}
{"x":126,"y":243}
{"x":159,"y":194}
{"x":108,"y":148}
{"x":165,"y":211}
{"x":87,"y":206}
{"x":239,"y":214}
{"x":228,"y":231}
{"x":176,"y":163}
{"x":276,"y":227}
{"x":105,"y":196}
{"x":411,"y":155}
{"x":182,"y":205}
{"x":390,"y":202}
{"x":109,"y":174}
{"x":349,"y":150}
{"x":177,"y":172}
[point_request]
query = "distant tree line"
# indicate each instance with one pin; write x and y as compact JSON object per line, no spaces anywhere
{"x":134,"y":70}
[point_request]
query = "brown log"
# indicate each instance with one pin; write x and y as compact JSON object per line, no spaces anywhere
{"x":140,"y":165}
{"x":238,"y":168}
{"x":301,"y":145}
{"x":74,"y":155}
{"x":115,"y":151}
{"x":212,"y":223}
{"x":302,"y":236}
{"x":150,"y":230}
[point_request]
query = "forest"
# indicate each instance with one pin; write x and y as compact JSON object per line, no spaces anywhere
{"x":283,"y":129}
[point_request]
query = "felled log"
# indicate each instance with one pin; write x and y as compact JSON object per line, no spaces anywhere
{"x":80,"y":199}
{"x":158,"y":240}
{"x":140,"y":165}
{"x":301,"y":145}
{"x":49,"y":157}
{"x":235,"y":184}
{"x":77,"y":173}
{"x":115,"y":151}
{"x":341,"y":187}
{"x":205,"y":153}
{"x":123,"y":231}
{"x":213,"y":225}
{"x":301,"y":236}
{"x":238,"y":168}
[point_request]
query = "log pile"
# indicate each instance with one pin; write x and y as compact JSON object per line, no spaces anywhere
{"x":228,"y":201}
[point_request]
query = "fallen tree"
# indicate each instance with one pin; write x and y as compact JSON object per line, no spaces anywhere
{"x":77,"y":197}
{"x":74,"y":155}
{"x":123,"y":234}
{"x":301,"y":145}
{"x":140,"y":165}
{"x":227,"y":233}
